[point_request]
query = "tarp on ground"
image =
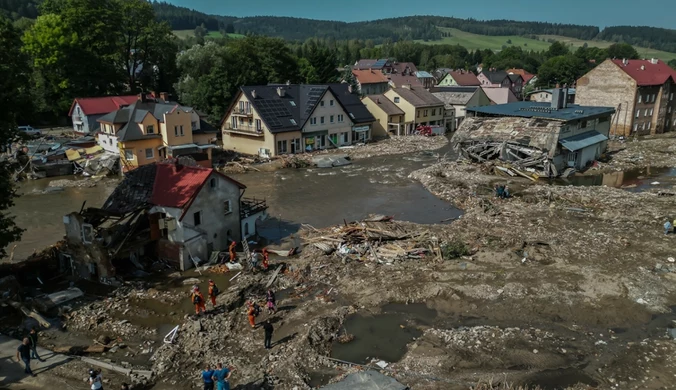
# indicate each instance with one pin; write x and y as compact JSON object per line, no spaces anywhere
{"x":366,"y":380}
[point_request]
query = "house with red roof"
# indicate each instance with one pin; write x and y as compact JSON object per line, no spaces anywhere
{"x":85,"y":112}
{"x":528,"y":78}
{"x":371,"y":82}
{"x":642,"y":92}
{"x":168,"y":211}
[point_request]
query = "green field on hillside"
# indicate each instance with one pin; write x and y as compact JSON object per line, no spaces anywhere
{"x":475,"y":41}
{"x":212,"y":34}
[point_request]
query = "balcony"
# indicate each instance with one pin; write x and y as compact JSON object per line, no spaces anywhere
{"x":243,"y":129}
{"x":242,"y":112}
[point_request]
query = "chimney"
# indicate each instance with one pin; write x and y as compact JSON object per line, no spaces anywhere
{"x":378,"y":100}
{"x":407,"y":86}
{"x":288,"y":82}
{"x":642,"y":67}
{"x":253,"y":93}
{"x":140,"y":97}
{"x":281,"y":92}
{"x":349,"y":88}
{"x":164,"y":96}
{"x":565,"y":95}
{"x":624,"y":62}
{"x":557,"y":98}
{"x":653,"y":61}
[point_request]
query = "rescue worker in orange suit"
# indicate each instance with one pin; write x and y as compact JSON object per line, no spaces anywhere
{"x":266,"y":259}
{"x":213,"y":291}
{"x":251,"y":313}
{"x":232,"y":251}
{"x":198,"y":301}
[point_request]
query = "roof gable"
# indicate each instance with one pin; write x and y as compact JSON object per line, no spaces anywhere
{"x":369,"y":76}
{"x":465,"y":78}
{"x":385,"y":104}
{"x":418,"y":97}
{"x":647,"y":72}
{"x":495,"y":77}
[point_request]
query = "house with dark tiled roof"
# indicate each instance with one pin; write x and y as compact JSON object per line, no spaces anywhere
{"x":178,"y":213}
{"x":502,"y":79}
{"x":642,"y":91}
{"x":528,"y":78}
{"x":85,"y":112}
{"x":460,"y":78}
{"x":371,"y":82}
{"x":276,"y":119}
{"x":420,"y":107}
{"x":151,"y":130}
{"x":384,"y":65}
{"x":389,"y":117}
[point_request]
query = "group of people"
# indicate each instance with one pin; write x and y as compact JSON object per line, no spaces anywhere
{"x":253,"y":310}
{"x":501,"y":191}
{"x":218,"y":376}
{"x":197,"y":298}
{"x":254,"y":259}
{"x":28,"y":350}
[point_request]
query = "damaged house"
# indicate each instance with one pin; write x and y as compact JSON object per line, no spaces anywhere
{"x":542,"y":138}
{"x":177,"y":214}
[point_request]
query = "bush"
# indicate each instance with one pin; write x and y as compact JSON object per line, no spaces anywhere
{"x":454,"y":249}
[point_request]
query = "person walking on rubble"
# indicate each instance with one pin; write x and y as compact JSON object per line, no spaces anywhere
{"x":251,"y":314}
{"x":267,"y":326}
{"x":266,"y":259}
{"x":208,"y":378}
{"x":231,"y":249}
{"x":33,"y":337}
{"x":213,"y":292}
{"x":667,"y":227}
{"x":222,"y":374}
{"x":271,"y":301}
{"x":198,"y":300}
{"x":95,"y":379}
{"x":23,"y":354}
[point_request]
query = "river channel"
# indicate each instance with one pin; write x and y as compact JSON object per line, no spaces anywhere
{"x":319,"y":197}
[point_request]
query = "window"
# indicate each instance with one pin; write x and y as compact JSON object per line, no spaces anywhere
{"x":233,"y":122}
{"x":434,"y":111}
{"x":246,"y":229}
{"x":227,"y":207}
{"x":321,"y":103}
{"x":194,"y":125}
{"x":293,"y":121}
{"x":292,"y":103}
{"x":654,"y":98}
{"x":213,"y":183}
{"x":417,"y":114}
{"x":340,"y":118}
{"x":671,"y":97}
{"x":640,"y":97}
{"x":638,"y":112}
{"x":667,"y":122}
{"x":636,"y":127}
{"x":181,"y":127}
{"x":128,"y":155}
{"x":197,"y":218}
{"x":331,"y":103}
{"x":649,"y":125}
{"x":426,"y":112}
{"x":322,"y":120}
{"x":331,"y":119}
{"x":281,"y":147}
{"x":150,"y":153}
{"x":110,"y":141}
{"x":669,"y":110}
{"x":150,"y":129}
{"x":258,"y":125}
{"x":176,"y":130}
{"x":241,"y":106}
{"x":344,"y":137}
{"x":646,"y":112}
{"x":396,"y":99}
{"x":651,"y":111}
{"x":584,"y":124}
{"x":313,"y":121}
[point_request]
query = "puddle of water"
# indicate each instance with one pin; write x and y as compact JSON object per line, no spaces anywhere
{"x":381,"y":336}
{"x":418,"y":312}
{"x":634,"y":180}
{"x":560,"y":379}
{"x":321,"y":377}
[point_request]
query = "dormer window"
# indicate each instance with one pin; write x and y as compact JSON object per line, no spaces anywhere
{"x":150,"y":129}
{"x":293,"y":104}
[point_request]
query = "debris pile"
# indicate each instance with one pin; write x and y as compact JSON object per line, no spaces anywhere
{"x":657,"y":152}
{"x":395,"y":145}
{"x":378,"y":239}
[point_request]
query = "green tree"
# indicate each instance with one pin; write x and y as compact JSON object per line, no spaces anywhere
{"x":229,"y":28}
{"x":622,"y":50}
{"x":557,"y":49}
{"x":13,"y":82}
{"x":201,"y":32}
{"x":561,"y":70}
{"x":672,"y":63}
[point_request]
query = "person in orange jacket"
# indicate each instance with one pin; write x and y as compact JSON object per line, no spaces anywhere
{"x":251,"y":313}
{"x":198,"y":300}
{"x":266,"y":259}
{"x":232,"y":251}
{"x":213,"y":291}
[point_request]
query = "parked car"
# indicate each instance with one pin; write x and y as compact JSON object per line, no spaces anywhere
{"x":28,"y":130}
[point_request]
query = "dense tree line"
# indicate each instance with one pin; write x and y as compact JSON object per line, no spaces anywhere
{"x":16,"y":9}
{"x":181,"y":18}
{"x":652,"y":37}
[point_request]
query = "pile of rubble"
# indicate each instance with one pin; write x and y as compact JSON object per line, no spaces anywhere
{"x":659,"y":151}
{"x":396,"y":145}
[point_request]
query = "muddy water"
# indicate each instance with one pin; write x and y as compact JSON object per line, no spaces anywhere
{"x":320,"y":197}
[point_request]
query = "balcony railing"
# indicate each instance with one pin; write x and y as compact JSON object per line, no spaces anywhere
{"x":244,"y":129}
{"x":242,"y":112}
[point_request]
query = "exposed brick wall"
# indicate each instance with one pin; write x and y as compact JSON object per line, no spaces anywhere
{"x":169,"y":251}
{"x":609,"y":86}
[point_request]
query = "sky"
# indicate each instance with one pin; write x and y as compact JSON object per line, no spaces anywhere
{"x":657,"y":13}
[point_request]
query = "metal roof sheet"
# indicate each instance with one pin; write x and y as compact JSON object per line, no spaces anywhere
{"x":543,"y":110}
{"x":583,"y":140}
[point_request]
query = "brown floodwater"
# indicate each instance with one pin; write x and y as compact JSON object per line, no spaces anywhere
{"x":319,"y":197}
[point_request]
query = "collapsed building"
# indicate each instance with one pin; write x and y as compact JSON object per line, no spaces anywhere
{"x":543,"y":138}
{"x":167,"y":212}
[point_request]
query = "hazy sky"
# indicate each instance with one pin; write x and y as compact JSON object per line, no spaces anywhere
{"x":658,"y":13}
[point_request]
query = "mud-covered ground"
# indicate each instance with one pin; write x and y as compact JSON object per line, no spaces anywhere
{"x":653,"y":151}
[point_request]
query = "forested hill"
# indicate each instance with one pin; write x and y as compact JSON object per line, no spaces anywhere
{"x":653,"y":37}
{"x":16,"y":9}
{"x":412,"y":27}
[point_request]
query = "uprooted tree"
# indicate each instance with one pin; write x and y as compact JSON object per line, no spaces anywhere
{"x":13,"y":82}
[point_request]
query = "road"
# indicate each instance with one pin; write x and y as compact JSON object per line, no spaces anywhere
{"x":11,"y":371}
